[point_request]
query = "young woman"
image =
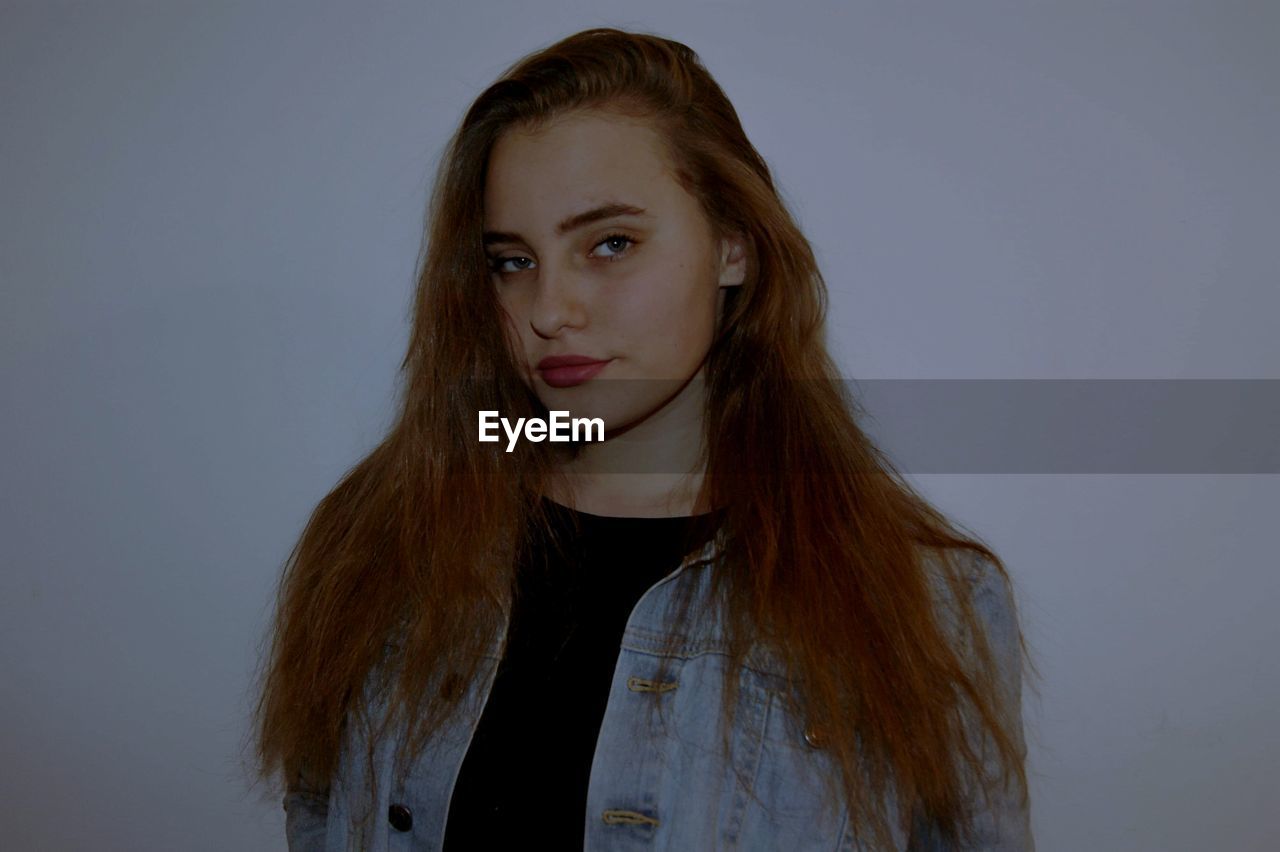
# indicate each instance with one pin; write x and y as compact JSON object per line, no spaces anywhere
{"x":730,"y":623}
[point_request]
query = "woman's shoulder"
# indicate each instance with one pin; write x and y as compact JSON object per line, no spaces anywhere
{"x":964,"y":569}
{"x":970,"y":579}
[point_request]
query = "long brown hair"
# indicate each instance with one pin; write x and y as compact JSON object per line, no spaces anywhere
{"x":828,"y":557}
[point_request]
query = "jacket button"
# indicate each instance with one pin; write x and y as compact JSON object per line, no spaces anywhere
{"x":400,"y":817}
{"x":812,"y":738}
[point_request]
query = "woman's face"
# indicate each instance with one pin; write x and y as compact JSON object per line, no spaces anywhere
{"x":597,"y":251}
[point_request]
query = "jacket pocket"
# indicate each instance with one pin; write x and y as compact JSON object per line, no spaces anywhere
{"x":786,"y":808}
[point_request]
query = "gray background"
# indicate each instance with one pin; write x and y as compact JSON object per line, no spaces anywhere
{"x":209,"y":216}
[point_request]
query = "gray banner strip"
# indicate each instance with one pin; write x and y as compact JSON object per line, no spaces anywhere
{"x":1074,"y":425}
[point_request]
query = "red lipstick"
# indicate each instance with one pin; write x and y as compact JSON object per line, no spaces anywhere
{"x":564,"y":371}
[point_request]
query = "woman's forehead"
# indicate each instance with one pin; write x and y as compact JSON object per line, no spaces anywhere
{"x":577,"y":164}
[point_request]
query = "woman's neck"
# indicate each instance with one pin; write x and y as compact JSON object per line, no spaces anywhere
{"x":653,"y":468}
{"x":631,"y":495}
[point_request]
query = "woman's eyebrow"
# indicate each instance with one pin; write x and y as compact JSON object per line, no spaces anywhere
{"x":574,"y":222}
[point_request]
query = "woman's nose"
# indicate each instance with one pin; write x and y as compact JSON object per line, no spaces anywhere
{"x":558,"y":301}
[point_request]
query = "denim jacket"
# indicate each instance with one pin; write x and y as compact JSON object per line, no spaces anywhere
{"x":665,"y":790}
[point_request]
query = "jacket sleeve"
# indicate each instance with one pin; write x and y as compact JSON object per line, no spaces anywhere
{"x":1002,"y":821}
{"x":306,"y":808}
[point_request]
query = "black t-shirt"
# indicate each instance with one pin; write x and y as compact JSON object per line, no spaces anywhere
{"x":526,"y":772}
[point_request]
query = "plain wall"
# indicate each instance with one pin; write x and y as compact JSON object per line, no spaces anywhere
{"x":209,"y":220}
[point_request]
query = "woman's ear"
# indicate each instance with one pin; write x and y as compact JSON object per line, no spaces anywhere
{"x":733,"y":261}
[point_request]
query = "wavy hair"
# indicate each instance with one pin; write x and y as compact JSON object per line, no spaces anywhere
{"x":829,"y":558}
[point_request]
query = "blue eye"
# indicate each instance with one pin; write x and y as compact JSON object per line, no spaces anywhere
{"x":617,"y":238}
{"x":619,"y":246}
{"x":496,"y":264}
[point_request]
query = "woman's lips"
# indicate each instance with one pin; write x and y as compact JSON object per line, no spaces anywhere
{"x":571,"y":374}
